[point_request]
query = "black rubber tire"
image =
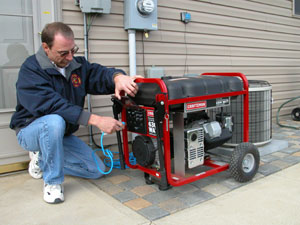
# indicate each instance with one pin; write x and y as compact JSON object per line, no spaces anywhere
{"x":296,"y":114}
{"x":236,"y":162}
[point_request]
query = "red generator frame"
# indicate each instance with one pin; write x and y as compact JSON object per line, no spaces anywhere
{"x":244,"y":159}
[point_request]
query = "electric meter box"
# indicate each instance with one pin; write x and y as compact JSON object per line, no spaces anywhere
{"x":95,"y":6}
{"x":140,"y":15}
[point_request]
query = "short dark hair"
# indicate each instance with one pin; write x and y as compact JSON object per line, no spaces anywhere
{"x":51,"y":29}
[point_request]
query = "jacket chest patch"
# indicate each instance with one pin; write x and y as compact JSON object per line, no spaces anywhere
{"x":76,"y":81}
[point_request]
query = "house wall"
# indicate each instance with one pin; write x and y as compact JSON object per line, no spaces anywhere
{"x":259,"y":38}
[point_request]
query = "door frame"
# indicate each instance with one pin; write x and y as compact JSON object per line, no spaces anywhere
{"x":15,"y":158}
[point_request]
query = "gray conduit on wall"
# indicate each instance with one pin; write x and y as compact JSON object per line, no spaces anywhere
{"x":86,"y":55}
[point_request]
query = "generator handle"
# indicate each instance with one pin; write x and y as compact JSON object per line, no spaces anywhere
{"x":158,"y":81}
{"x":117,"y":108}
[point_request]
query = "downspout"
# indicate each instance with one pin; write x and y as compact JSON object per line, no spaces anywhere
{"x":132,"y":52}
{"x":132,"y":59}
{"x":86,"y":55}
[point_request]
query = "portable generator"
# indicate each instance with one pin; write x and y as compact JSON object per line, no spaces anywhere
{"x":176,"y":122}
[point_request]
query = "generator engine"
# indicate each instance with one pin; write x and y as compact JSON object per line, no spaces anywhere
{"x":200,"y":134}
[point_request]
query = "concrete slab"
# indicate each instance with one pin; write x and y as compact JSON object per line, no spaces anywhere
{"x":21,"y":202}
{"x":272,"y":200}
{"x":273,"y":146}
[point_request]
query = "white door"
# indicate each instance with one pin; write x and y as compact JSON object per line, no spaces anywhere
{"x":20,"y":24}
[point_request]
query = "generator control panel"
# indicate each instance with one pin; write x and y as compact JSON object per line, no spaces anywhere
{"x":141,"y":120}
{"x":136,"y":120}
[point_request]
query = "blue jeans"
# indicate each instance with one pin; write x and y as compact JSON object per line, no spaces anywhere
{"x":59,"y":155}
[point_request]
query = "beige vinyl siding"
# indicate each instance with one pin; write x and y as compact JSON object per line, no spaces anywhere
{"x":259,"y":38}
{"x":108,"y":46}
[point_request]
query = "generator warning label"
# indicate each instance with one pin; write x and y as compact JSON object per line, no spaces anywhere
{"x":150,"y":113}
{"x":196,"y":105}
{"x":151,"y":122}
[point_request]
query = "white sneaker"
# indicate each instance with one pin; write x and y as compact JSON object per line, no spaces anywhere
{"x":53,"y":193}
{"x":34,"y":169}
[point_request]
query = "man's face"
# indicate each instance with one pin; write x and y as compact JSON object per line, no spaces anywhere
{"x":62,"y":50}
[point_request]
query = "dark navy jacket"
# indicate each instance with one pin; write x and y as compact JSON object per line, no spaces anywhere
{"x":42,"y":90}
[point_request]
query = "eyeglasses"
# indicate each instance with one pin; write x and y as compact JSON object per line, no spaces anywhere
{"x":65,"y":53}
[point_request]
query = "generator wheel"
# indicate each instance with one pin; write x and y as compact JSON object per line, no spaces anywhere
{"x":296,"y":114}
{"x":244,"y":162}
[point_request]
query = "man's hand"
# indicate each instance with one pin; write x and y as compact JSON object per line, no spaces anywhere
{"x":127,"y":84}
{"x":105,"y":124}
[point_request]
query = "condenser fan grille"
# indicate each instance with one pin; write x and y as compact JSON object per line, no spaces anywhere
{"x":260,"y":114}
